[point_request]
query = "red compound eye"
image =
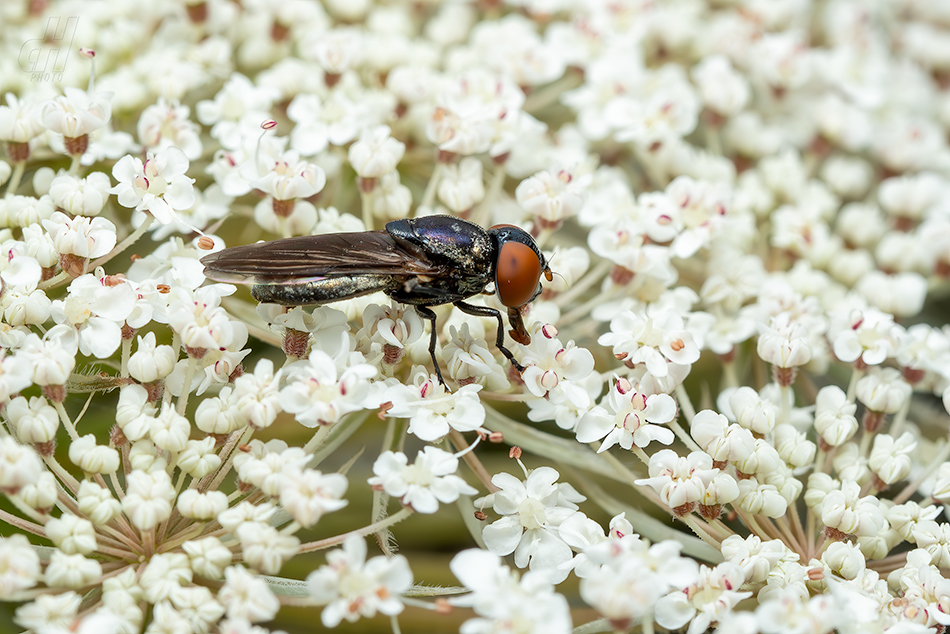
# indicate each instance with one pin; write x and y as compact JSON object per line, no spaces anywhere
{"x":517,"y":274}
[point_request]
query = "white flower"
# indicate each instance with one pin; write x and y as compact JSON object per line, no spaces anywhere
{"x":158,"y":185}
{"x":35,"y":420}
{"x":133,"y":413}
{"x":163,"y":574}
{"x":793,"y":447}
{"x":337,"y":50}
{"x":239,"y":100}
{"x":722,"y":88}
{"x":844,"y":510}
{"x":467,"y":356}
{"x":335,"y":120}
{"x":70,"y":571}
{"x":711,"y":598}
{"x":867,"y":334}
{"x":352,"y":587}
{"x":200,"y":320}
{"x":471,"y":112}
{"x":554,"y":370}
{"x":265,"y":548}
{"x":55,"y":610}
{"x":80,"y":196}
{"x":317,"y":395}
{"x":307,"y":494}
{"x":552,"y":197}
{"x":760,"y":498}
{"x":834,"y":416}
{"x":883,"y":390}
{"x":376,"y":152}
{"x":85,"y":237}
{"x":169,"y":430}
{"x":425,"y":483}
{"x":432,"y":410}
{"x":71,"y":534}
{"x":256,"y":395}
{"x":639,"y":337}
{"x":97,"y":503}
{"x":263,"y":464}
{"x":198,"y":459}
{"x":501,"y":601}
{"x":165,"y":124}
{"x":661,"y":108}
{"x":755,"y":557}
{"x":76,"y":113}
{"x":393,"y":328}
{"x":23,"y":211}
{"x":752,"y":411}
{"x":39,"y":245}
{"x":148,"y":498}
{"x":93,"y":458}
{"x":531,"y":513}
{"x":784,"y":343}
{"x":19,"y":120}
{"x":208,"y":556}
{"x":461,"y":186}
{"x":151,"y":362}
{"x":821,"y":612}
{"x":196,"y":606}
{"x":890,"y":458}
{"x":391,"y":200}
{"x":41,"y":493}
{"x":23,"y":305}
{"x":680,"y":482}
{"x":286,"y":177}
{"x":97,"y":309}
{"x":625,"y":417}
{"x":51,"y":359}
{"x":247,"y":596}
{"x":219,"y":415}
{"x":14,"y":375}
{"x":19,"y":565}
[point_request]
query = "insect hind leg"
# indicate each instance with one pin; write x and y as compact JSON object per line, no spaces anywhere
{"x":426,"y":313}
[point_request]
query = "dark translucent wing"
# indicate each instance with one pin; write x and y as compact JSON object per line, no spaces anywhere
{"x":306,"y":258}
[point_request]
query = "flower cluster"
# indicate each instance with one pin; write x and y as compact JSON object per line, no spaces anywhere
{"x":744,"y":203}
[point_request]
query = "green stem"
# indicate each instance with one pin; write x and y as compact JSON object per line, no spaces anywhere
{"x":375,"y":527}
{"x":429,"y":197}
{"x":366,"y":200}
{"x":853,"y":383}
{"x":552,"y":92}
{"x":186,"y":386}
{"x":74,"y":164}
{"x":15,"y":178}
{"x":130,"y":239}
{"x":481,"y":215}
{"x":56,"y":280}
{"x":126,"y":353}
{"x":593,"y":276}
{"x":67,"y":422}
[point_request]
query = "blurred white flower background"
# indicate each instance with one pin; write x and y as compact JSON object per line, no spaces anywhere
{"x":733,"y":410}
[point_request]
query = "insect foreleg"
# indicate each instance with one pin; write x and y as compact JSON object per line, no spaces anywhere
{"x":485,"y":311}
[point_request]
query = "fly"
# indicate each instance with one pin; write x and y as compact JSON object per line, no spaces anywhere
{"x":422,"y":262}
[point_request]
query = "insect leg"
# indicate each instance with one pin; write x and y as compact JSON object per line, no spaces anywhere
{"x":426,"y":313}
{"x":485,"y":311}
